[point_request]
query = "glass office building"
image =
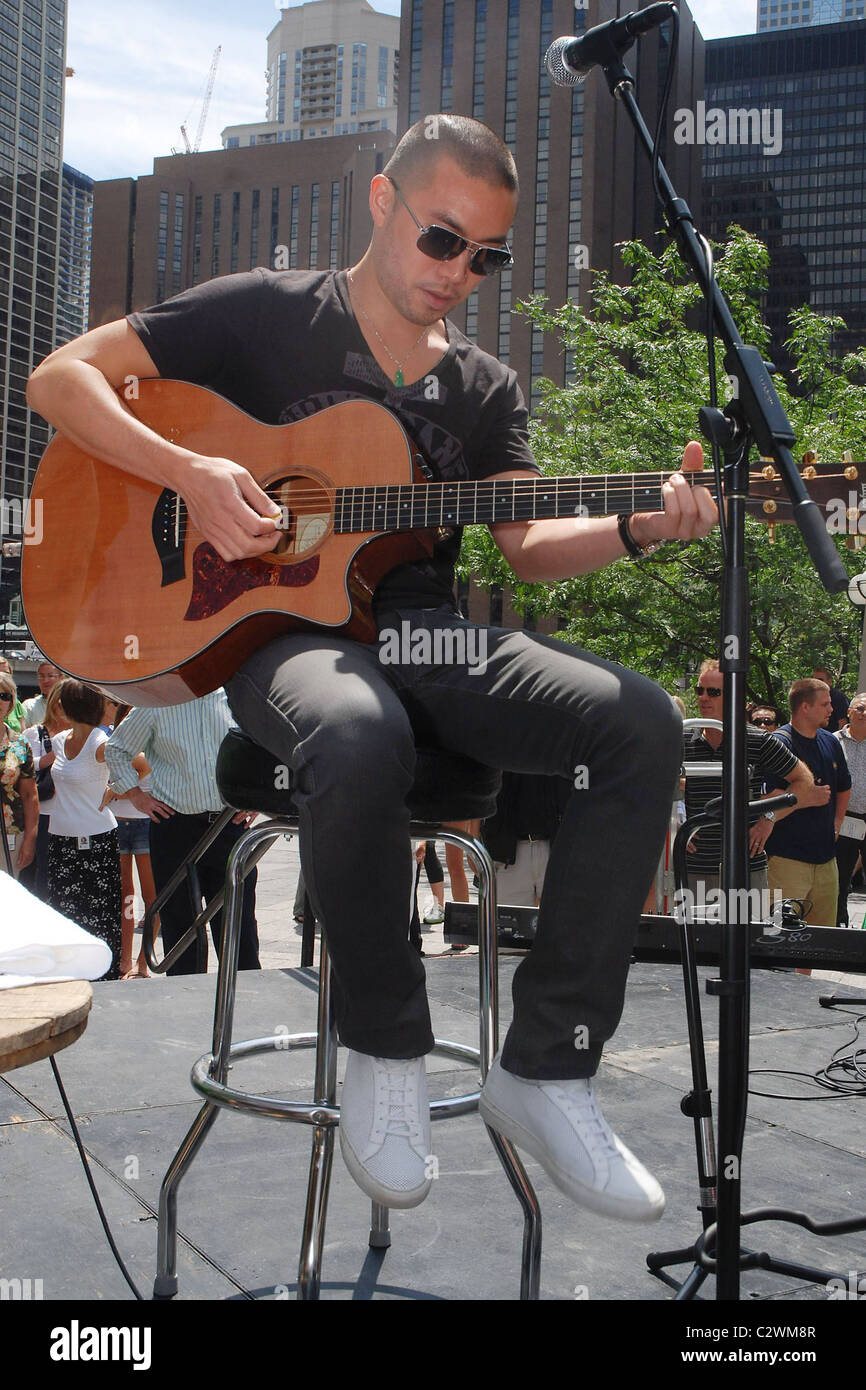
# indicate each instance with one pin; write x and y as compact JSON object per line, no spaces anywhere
{"x":790,"y":14}
{"x":808,"y":200}
{"x":73,"y":266}
{"x":32,"y":58}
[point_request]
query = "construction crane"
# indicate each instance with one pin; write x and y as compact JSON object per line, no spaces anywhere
{"x":204,"y":109}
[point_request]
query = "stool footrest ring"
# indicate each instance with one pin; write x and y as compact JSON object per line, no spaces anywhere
{"x":271,"y":1107}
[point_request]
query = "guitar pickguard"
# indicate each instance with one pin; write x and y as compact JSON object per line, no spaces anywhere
{"x":216,"y":583}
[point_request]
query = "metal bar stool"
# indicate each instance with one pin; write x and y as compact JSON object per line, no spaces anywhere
{"x":446,"y":786}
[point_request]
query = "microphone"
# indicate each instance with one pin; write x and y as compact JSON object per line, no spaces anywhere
{"x":569,"y":60}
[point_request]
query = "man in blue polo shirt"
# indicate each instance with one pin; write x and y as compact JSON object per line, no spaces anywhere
{"x":802,"y":846}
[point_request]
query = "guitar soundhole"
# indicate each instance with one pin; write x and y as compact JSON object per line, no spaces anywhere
{"x":306,"y":508}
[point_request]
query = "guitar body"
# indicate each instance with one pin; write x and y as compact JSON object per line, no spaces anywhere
{"x":123,"y":592}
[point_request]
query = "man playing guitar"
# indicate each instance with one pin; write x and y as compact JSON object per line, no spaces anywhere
{"x":282,"y":346}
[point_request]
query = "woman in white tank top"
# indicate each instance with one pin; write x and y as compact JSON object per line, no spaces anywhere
{"x":83,"y":861}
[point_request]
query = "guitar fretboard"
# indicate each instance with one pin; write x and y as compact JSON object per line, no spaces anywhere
{"x":416,"y":506}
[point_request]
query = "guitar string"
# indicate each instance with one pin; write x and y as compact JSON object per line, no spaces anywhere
{"x":485,"y":491}
{"x":486,"y":487}
{"x":579,"y":483}
{"x":522,"y":491}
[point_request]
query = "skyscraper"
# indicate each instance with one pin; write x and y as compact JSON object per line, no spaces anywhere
{"x":32,"y":62}
{"x":332,"y":70}
{"x":807,"y":200}
{"x":793,"y":14}
{"x":73,"y":268}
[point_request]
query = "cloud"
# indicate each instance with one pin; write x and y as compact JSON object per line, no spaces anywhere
{"x":140,"y":72}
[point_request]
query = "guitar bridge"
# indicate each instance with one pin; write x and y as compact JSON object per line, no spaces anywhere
{"x":168,"y":529}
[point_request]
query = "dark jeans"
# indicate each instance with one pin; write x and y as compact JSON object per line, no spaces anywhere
{"x":346,"y":723}
{"x":171,"y":840}
{"x":846,"y":857}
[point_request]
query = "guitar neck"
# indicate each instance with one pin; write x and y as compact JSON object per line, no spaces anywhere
{"x":417,"y":506}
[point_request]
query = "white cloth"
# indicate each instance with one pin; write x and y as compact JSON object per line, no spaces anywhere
{"x":520,"y":884}
{"x":124,"y":809}
{"x":79,"y":786}
{"x":38,"y":945}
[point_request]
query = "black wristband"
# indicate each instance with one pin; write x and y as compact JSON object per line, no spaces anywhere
{"x":631,"y":546}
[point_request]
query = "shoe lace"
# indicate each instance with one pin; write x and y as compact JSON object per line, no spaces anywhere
{"x":594,"y":1128}
{"x":396,"y":1099}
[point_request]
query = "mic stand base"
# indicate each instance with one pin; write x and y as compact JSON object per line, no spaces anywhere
{"x":704,"y":1263}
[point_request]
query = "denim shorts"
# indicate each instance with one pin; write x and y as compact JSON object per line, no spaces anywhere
{"x":133,"y":836}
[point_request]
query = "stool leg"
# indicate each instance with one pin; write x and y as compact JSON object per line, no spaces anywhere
{"x":313,"y":1237}
{"x":380,"y":1228}
{"x":165,"y":1284}
{"x":488,"y":989}
{"x":530,"y":1264}
{"x":230,"y":945}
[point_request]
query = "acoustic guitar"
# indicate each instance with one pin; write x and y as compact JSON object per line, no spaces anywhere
{"x":123,"y":592}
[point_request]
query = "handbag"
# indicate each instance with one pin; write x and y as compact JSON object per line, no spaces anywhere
{"x":44,"y":780}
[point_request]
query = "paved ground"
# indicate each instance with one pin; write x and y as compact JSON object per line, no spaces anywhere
{"x":240,"y":1208}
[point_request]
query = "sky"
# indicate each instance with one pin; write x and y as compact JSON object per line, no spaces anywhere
{"x":141,"y":70}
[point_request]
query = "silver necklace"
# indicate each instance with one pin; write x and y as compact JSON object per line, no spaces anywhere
{"x":399,"y":379}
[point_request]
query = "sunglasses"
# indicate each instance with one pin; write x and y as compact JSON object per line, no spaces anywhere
{"x":440,"y":244}
{"x":765,"y":723}
{"x":714,"y":691}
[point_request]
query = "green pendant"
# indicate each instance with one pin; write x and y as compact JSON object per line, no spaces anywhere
{"x":398,"y":380}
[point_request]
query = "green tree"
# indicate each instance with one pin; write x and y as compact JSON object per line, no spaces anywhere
{"x":639,"y":378}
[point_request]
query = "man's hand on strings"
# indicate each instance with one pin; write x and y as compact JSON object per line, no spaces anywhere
{"x":690,"y":512}
{"x":226,"y":504}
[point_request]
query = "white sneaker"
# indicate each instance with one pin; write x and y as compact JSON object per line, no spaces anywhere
{"x":385,"y":1128}
{"x":560,"y":1124}
{"x":435,"y":913}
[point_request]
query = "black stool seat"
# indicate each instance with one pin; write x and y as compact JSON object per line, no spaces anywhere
{"x":447,"y":786}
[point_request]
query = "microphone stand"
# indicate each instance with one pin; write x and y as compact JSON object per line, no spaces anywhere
{"x":755,"y":415}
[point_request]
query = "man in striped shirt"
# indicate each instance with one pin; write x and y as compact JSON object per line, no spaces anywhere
{"x":766,"y":755}
{"x":181,"y":742}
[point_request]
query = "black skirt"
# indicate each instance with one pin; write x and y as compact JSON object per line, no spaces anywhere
{"x":84,"y":884}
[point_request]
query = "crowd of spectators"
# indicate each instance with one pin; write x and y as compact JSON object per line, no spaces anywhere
{"x":807,"y":853}
{"x":90,"y":789}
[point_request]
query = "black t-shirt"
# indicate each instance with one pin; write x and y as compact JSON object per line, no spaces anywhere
{"x":809,"y":833}
{"x":766,"y":755}
{"x":283,"y":345}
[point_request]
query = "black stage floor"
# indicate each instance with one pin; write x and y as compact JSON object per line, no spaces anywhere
{"x":240,"y":1208}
